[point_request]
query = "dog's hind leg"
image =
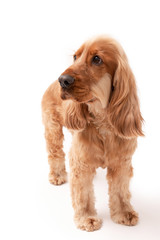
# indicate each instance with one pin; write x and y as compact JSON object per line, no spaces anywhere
{"x":54,"y":143}
{"x":56,"y":157}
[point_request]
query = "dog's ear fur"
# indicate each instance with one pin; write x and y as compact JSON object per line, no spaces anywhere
{"x":75,"y":115}
{"x":123,"y":110}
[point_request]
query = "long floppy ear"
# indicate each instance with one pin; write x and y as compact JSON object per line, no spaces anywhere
{"x":123,"y":110}
{"x":75,"y":115}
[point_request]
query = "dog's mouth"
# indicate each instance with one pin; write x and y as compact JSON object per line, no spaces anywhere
{"x":65,"y":95}
{"x":82,"y":97}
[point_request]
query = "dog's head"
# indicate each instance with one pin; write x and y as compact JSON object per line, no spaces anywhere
{"x":94,"y":65}
{"x":100,"y":71}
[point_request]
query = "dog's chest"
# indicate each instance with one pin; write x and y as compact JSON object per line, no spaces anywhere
{"x":101,"y":126}
{"x":104,"y":132}
{"x":107,"y":143}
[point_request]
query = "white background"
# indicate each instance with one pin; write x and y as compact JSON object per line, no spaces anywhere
{"x":37,"y":39}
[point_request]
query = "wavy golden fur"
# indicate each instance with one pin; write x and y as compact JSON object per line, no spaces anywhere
{"x":101,"y":109}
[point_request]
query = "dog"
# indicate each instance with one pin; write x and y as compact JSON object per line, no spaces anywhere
{"x":96,"y":99}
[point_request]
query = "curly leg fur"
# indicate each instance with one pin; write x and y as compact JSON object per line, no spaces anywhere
{"x":120,"y":208}
{"x":83,"y":201}
{"x":56,"y":156}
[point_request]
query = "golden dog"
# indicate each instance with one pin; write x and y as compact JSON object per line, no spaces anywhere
{"x":96,"y":99}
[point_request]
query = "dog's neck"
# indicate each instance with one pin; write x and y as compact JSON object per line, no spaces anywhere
{"x":98,"y":118}
{"x":97,"y":113}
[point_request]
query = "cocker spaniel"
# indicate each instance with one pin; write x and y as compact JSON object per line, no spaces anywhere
{"x":96,"y":99}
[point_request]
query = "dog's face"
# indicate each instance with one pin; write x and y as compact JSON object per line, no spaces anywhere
{"x":90,"y":76}
{"x":101,"y":72}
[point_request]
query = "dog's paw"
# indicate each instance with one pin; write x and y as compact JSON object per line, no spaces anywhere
{"x":126,"y":218}
{"x":58,"y":179}
{"x":89,"y":224}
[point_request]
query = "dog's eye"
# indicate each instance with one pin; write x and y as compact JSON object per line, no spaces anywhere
{"x":74,"y":57}
{"x":96,"y":60}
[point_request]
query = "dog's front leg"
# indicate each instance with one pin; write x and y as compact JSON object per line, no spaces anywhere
{"x":120,"y":207}
{"x":81,"y":178}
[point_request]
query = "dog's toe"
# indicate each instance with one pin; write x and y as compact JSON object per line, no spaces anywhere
{"x":126,"y":218}
{"x":90,"y":224}
{"x":58,"y":179}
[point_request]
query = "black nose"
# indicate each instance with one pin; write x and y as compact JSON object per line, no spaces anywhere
{"x":65,"y":81}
